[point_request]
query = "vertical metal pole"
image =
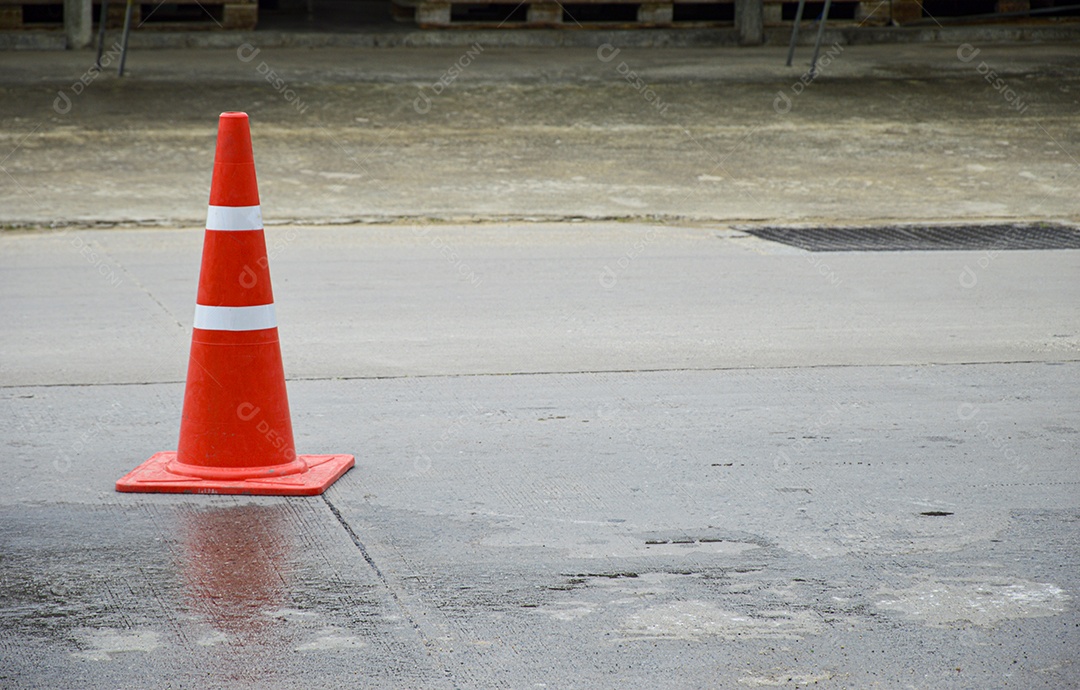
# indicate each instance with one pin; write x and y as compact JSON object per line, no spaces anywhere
{"x":101,"y":31}
{"x":817,"y":44}
{"x":795,"y":32}
{"x":124,"y":40}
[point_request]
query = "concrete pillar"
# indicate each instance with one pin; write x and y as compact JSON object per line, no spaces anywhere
{"x":750,"y":21}
{"x":79,"y":23}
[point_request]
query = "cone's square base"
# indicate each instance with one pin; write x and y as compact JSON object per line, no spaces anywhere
{"x":153,"y":477}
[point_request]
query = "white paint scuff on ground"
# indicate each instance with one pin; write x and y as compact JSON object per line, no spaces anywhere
{"x":331,"y":639}
{"x":102,"y":645}
{"x":287,"y":614}
{"x":568,"y":611}
{"x":213,"y":639}
{"x":979,"y":602}
{"x":784,"y":678}
{"x":690,"y":620}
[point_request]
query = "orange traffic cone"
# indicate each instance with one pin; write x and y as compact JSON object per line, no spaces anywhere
{"x":235,"y":432}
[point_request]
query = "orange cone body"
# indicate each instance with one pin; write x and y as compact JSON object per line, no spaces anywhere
{"x":236,"y":431}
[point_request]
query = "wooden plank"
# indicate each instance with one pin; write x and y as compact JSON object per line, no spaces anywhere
{"x":904,"y":11}
{"x":1012,"y":6}
{"x":872,"y":13}
{"x":11,"y":18}
{"x":213,"y":4}
{"x":236,"y":16}
{"x":115,"y":18}
{"x":515,"y":3}
{"x":540,"y":13}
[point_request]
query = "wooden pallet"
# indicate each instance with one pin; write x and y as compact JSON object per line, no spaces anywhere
{"x":639,"y":13}
{"x":196,"y":14}
{"x":782,"y":12}
{"x":177,"y":15}
{"x":19,"y":15}
{"x":592,"y":14}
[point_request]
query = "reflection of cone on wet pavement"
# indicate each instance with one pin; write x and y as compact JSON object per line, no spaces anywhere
{"x":236,"y":432}
{"x":235,"y":567}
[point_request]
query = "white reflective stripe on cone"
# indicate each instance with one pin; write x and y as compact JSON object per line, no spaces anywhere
{"x":235,"y":318}
{"x":234,"y":218}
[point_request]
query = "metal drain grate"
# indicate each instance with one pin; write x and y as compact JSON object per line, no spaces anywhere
{"x":924,"y":238}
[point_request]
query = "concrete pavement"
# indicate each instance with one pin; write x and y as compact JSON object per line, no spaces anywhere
{"x":852,"y":478}
{"x":494,"y":299}
{"x":636,"y":447}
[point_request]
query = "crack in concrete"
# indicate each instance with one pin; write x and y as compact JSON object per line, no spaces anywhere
{"x":593,"y":372}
